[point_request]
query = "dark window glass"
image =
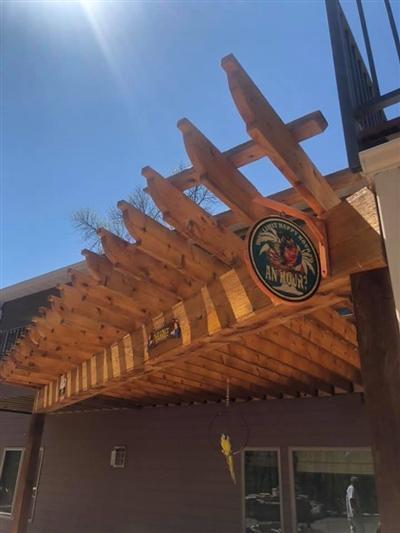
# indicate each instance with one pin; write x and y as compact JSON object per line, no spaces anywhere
{"x":8,"y":479}
{"x":262,"y":492}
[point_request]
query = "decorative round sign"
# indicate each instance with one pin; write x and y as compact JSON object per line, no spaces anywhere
{"x":282,"y":260}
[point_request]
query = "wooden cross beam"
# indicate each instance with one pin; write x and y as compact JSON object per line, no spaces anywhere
{"x":302,"y":128}
{"x":266,"y":128}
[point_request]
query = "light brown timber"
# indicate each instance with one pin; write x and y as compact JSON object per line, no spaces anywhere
{"x":266,"y":128}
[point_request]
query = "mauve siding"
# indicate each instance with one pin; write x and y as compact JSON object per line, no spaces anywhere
{"x":173,"y":481}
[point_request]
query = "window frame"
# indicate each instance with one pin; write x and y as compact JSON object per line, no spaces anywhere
{"x":36,"y":486}
{"x":243,"y":480}
{"x":292,"y":486}
{"x":5,"y":450}
{"x":10,"y":516}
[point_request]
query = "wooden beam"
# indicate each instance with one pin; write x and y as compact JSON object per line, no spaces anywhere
{"x":322,"y":338}
{"x":102,"y":297}
{"x":241,"y":374}
{"x":81,"y":305}
{"x":127,"y":257}
{"x":286,"y":362}
{"x":169,"y":247}
{"x":269,"y":369}
{"x":26,"y":480}
{"x":150,"y":296}
{"x":302,"y":128}
{"x":379,"y":346}
{"x":230,"y":308}
{"x":344,"y":182}
{"x":220,"y":176}
{"x":76,"y":320}
{"x":336,"y":325}
{"x":192,"y":221}
{"x":267,"y":129}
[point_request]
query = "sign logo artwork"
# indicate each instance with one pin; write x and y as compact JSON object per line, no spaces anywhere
{"x":157,"y":336}
{"x":282,"y":260}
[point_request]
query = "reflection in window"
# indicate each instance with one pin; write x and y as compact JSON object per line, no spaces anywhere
{"x":262,"y":492}
{"x":8,"y":479}
{"x":322,"y":478}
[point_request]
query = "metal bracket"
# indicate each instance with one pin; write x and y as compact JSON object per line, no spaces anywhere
{"x":315,"y":225}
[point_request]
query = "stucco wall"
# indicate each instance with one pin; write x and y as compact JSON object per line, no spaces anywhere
{"x":173,"y":482}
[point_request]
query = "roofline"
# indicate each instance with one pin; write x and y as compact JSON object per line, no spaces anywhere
{"x":39,"y":283}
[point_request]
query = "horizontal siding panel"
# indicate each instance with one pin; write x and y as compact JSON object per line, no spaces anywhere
{"x":173,"y":480}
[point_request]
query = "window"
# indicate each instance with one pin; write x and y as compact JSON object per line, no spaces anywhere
{"x":10,"y":467}
{"x":321,"y":479}
{"x":8,"y":479}
{"x":262,"y":502}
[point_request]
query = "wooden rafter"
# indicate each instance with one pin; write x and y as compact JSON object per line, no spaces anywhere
{"x":169,"y":247}
{"x":81,"y":306}
{"x":250,"y":312}
{"x":96,"y":332}
{"x":220,"y":176}
{"x":192,"y":221}
{"x":266,"y":128}
{"x":302,"y":128}
{"x":127,"y":257}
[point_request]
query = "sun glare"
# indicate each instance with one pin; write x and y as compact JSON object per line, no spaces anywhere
{"x":104,"y":37}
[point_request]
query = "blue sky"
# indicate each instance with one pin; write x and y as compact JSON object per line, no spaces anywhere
{"x":92,"y":92}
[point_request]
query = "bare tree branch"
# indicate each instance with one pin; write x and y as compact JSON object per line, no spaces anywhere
{"x":86,"y":221}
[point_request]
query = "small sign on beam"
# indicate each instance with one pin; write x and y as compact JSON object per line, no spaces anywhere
{"x":157,"y":336}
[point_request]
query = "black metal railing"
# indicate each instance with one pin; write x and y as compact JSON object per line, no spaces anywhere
{"x":361,"y":103}
{"x":9,"y":338}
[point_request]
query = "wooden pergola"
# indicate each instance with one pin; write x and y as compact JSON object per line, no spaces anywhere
{"x":93,"y":341}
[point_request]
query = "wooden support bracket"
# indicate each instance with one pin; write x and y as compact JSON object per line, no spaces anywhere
{"x":315,"y":225}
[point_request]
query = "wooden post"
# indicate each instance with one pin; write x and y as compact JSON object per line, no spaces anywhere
{"x":23,"y":497}
{"x":379,"y":347}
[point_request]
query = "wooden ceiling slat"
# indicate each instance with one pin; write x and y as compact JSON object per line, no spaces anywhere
{"x":298,"y":380}
{"x":72,"y":350}
{"x":234,"y":369}
{"x":82,"y":305}
{"x":64,"y":334}
{"x":143,"y":294}
{"x":174,"y":392}
{"x":266,"y":128}
{"x":76,"y":320}
{"x":168,"y":246}
{"x":329,"y":319}
{"x":145,"y":398}
{"x":104,"y":298}
{"x":127,"y":257}
{"x":186,"y":385}
{"x":220,"y":176}
{"x":199,"y":367}
{"x":319,"y":377}
{"x":313,"y":332}
{"x":192,"y":221}
{"x":197,"y":381}
{"x":261,"y":375}
{"x":341,"y":372}
{"x":52,"y":350}
{"x":26,"y":349}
